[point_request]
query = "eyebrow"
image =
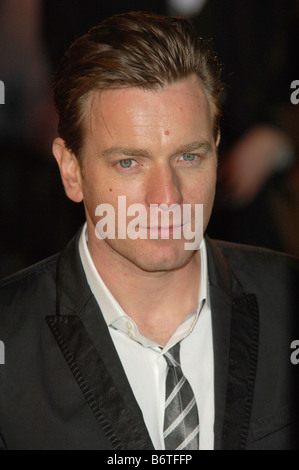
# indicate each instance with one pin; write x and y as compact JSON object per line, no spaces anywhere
{"x":135,"y":152}
{"x":126,"y":151}
{"x":204,"y":145}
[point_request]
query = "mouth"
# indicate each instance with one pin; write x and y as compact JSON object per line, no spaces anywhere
{"x":162,"y":227}
{"x":163,"y":231}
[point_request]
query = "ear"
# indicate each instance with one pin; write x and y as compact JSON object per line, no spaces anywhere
{"x":69,"y":170}
{"x":218,"y":139}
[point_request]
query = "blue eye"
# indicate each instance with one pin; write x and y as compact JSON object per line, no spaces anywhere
{"x":127,"y":163}
{"x":188,"y":157}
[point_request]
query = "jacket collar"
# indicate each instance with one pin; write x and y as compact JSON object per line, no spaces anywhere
{"x":235,"y":323}
{"x":83,"y":337}
{"x":85,"y":342}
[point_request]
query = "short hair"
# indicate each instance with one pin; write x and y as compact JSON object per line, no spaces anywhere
{"x":135,"y":49}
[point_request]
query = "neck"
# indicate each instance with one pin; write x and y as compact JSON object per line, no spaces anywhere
{"x":157,"y":301}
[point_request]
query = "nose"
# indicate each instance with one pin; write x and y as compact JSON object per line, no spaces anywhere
{"x":163,"y":186}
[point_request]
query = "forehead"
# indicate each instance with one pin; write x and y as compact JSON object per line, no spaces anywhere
{"x":126,"y":113}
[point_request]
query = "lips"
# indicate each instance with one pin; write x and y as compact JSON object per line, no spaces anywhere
{"x":164,"y":231}
{"x":169,"y":227}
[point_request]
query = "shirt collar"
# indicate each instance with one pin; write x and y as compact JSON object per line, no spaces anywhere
{"x":115,"y":316}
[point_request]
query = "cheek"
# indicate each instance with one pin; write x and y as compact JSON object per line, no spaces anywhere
{"x":209,"y":198}
{"x":211,"y":185}
{"x":97,"y":186}
{"x":202,"y":191}
{"x":102,"y":189}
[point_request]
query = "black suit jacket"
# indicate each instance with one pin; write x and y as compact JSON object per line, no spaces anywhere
{"x":63,"y":386}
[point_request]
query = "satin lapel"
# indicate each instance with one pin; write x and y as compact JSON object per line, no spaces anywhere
{"x":86,"y":345}
{"x":235,"y":338}
{"x":221,"y":314}
{"x":242,"y":371}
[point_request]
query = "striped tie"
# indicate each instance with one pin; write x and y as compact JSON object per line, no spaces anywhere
{"x":181,"y":423}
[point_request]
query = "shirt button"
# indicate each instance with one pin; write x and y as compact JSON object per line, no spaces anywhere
{"x":129,"y":325}
{"x":130,"y":333}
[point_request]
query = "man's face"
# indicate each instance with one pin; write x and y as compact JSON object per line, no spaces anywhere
{"x":154,"y":147}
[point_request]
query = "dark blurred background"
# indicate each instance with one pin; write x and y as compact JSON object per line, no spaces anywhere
{"x":258,"y":191}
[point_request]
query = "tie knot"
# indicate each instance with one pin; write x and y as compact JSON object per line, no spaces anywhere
{"x":172,"y":356}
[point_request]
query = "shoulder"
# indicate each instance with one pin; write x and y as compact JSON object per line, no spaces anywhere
{"x":31,"y":294}
{"x":28,"y":288}
{"x":246,"y":256}
{"x":32,"y":274}
{"x":269,"y":274}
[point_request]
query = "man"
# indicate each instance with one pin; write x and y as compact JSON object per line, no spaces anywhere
{"x":135,"y":342}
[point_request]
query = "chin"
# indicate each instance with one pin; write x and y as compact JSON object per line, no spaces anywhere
{"x":161,"y":259}
{"x":150,"y":255}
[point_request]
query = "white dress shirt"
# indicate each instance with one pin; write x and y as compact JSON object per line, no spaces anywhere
{"x":143,"y":360}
